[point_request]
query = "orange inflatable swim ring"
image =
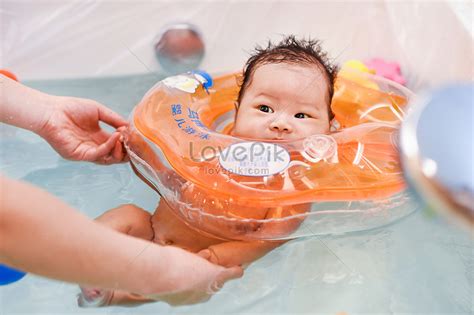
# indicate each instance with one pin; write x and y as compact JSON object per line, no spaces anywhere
{"x":245,"y":189}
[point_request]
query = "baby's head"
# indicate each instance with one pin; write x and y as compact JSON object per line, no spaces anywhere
{"x":286,"y":92}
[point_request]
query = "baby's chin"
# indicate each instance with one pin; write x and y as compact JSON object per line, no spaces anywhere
{"x":252,"y":135}
{"x":259,"y":137}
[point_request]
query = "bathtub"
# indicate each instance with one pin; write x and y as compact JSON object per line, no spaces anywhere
{"x":104,"y":50}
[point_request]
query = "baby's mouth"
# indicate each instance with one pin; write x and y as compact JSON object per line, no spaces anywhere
{"x":279,"y":139}
{"x":278,"y":136}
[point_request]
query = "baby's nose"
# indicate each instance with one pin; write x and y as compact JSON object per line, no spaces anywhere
{"x":280,"y":125}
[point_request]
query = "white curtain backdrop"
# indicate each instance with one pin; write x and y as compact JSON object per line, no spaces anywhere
{"x":432,"y":40}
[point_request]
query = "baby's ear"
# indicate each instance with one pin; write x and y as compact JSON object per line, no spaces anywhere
{"x":236,"y":105}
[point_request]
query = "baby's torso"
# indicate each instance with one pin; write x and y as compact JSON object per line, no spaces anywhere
{"x":170,"y":230}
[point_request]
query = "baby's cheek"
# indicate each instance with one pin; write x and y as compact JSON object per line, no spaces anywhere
{"x":242,"y":127}
{"x":318,"y":127}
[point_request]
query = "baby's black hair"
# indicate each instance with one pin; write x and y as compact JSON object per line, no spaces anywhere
{"x":293,"y":51}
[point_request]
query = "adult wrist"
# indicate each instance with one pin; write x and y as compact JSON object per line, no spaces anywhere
{"x":48,"y":106}
{"x":179,"y":271}
{"x":22,"y":106}
{"x":160,"y":272}
{"x":146,"y":268}
{"x":45,"y":108}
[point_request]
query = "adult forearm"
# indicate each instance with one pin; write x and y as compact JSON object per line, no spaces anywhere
{"x":22,"y":106}
{"x":42,"y":235}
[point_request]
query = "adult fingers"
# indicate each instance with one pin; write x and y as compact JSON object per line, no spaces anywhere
{"x":231,"y":273}
{"x":117,"y":153}
{"x":226,"y":275}
{"x":102,"y":153}
{"x":110,"y":117}
{"x":205,"y":253}
{"x":120,"y":153}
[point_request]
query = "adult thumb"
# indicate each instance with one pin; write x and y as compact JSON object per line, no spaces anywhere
{"x":225,"y":275}
{"x":229,"y":274}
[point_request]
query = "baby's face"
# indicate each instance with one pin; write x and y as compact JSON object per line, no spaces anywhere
{"x":284,"y":102}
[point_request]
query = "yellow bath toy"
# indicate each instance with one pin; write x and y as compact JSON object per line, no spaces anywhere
{"x":354,"y":70}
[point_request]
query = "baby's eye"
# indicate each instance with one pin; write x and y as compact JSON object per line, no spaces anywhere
{"x":265,"y":108}
{"x":302,"y":115}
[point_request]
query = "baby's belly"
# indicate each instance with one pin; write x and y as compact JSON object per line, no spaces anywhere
{"x":170,"y":230}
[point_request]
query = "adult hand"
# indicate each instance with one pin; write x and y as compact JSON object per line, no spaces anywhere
{"x":71,"y":127}
{"x":194,"y":279}
{"x":193,"y":282}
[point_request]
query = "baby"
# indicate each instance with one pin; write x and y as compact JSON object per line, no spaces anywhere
{"x":285,"y":94}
